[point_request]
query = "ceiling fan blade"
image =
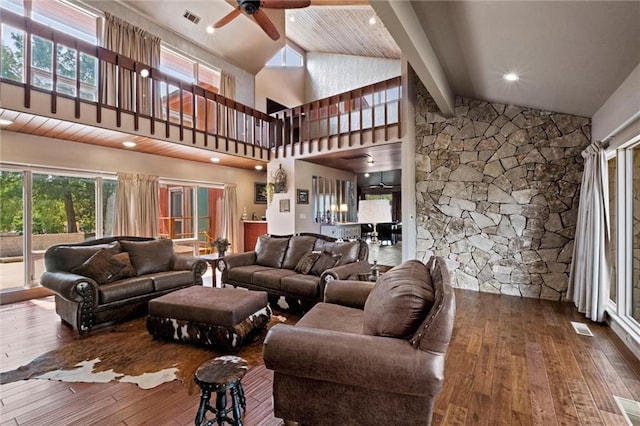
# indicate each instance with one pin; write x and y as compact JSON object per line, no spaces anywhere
{"x":265,"y":23}
{"x":285,"y":4}
{"x":228,"y":17}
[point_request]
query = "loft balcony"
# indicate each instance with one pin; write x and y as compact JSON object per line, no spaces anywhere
{"x":79,"y":85}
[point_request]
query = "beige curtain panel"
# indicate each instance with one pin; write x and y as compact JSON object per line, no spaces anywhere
{"x":137,"y":205}
{"x":590,"y":269}
{"x":139,"y":45}
{"x":230,"y":216}
{"x":226,"y":116}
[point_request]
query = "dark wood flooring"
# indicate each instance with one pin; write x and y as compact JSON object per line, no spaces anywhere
{"x":512,"y":361}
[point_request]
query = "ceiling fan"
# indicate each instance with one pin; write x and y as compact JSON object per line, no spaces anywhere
{"x":381,"y":184}
{"x":253,"y":8}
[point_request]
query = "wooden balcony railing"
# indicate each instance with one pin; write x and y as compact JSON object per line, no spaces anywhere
{"x":341,"y":117}
{"x":110,"y":81}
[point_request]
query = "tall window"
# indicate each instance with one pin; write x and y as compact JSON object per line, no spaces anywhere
{"x":635,"y":232}
{"x":189,"y":71}
{"x":66,"y":18}
{"x":12,"y":54}
{"x":613,"y":218}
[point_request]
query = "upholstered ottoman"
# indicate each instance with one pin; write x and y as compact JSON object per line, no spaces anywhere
{"x":220,"y":317}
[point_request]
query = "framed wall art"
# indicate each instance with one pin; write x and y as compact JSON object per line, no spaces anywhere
{"x":303,"y":196}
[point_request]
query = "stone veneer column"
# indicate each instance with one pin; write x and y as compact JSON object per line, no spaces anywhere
{"x":497,"y":189}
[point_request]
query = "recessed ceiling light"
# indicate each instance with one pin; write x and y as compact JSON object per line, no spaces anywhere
{"x":292,"y":18}
{"x":214,"y":159}
{"x":511,"y":76}
{"x":210,"y":29}
{"x":129,"y":144}
{"x":258,"y":167}
{"x":372,"y":20}
{"x":5,"y":122}
{"x":144,"y":73}
{"x":370,"y":162}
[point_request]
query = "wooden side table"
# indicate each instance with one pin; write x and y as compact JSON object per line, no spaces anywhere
{"x":212,"y":260}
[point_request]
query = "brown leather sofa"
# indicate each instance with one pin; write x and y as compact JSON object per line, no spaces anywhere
{"x":370,"y":354}
{"x":113,"y":278}
{"x":275,"y":265}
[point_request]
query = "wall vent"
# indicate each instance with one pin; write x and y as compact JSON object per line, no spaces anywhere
{"x":191,"y":16}
{"x":630,"y":410}
{"x":581,"y":328}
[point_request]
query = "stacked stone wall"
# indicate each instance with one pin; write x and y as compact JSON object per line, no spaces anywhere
{"x":497,"y":190}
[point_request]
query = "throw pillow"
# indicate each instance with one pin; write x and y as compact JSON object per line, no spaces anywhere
{"x":324,"y":262}
{"x":399,"y":301}
{"x":150,"y":256}
{"x":305,"y":263}
{"x":270,"y":250}
{"x":102,"y":267}
{"x":127,"y":271}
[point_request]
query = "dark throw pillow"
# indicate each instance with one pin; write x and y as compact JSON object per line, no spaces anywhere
{"x":102,"y":267}
{"x":324,"y":262}
{"x":127,"y":271}
{"x":306,"y":262}
{"x":148,"y":257}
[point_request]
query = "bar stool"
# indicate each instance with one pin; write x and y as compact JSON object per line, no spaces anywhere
{"x":220,"y":375}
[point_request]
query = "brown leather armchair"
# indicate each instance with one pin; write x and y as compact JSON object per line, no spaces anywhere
{"x":369,"y":354}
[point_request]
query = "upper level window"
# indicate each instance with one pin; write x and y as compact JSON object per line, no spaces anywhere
{"x":176,"y":65}
{"x":286,"y":57}
{"x":66,"y":18}
{"x":13,"y":5}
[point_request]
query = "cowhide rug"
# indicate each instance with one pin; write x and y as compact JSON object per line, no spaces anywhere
{"x":127,"y":353}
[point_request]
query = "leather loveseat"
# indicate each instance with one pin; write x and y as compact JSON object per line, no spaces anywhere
{"x":369,"y":354}
{"x":295,"y":266}
{"x":113,"y":278}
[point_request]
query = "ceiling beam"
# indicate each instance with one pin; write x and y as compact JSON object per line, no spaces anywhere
{"x":399,"y":17}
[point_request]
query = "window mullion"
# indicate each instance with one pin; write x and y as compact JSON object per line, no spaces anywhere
{"x":99,"y":217}
{"x":27,"y":228}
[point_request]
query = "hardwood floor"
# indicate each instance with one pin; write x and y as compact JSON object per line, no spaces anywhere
{"x":511,"y":361}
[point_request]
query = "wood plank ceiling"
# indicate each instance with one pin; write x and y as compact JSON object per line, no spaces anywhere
{"x":53,"y":128}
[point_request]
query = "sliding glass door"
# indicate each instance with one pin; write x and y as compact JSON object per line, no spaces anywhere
{"x":624,"y":203}
{"x":39,"y":208}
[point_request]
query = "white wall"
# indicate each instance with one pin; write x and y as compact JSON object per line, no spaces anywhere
{"x":299,"y":175}
{"x":244,"y":80}
{"x":619,"y":112}
{"x":283,"y":85}
{"x":37,"y":151}
{"x":330,"y":74}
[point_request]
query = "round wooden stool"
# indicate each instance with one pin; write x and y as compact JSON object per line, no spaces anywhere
{"x":219,"y":375}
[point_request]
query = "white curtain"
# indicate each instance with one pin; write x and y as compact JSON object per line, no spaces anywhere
{"x":230,"y":217}
{"x":137,"y":205}
{"x":139,"y":45}
{"x":227,"y":115}
{"x":590,"y":268}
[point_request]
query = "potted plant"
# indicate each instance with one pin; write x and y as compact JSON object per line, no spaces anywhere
{"x":270,"y":190}
{"x":221,"y":244}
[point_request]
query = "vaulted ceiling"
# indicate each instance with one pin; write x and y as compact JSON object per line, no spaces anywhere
{"x":570,"y":55}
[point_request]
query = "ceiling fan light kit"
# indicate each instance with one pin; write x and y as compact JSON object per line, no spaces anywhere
{"x":253,"y":8}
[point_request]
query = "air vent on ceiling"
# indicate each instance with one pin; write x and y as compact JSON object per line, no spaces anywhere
{"x":630,"y":410}
{"x":581,"y":328}
{"x":191,"y":16}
